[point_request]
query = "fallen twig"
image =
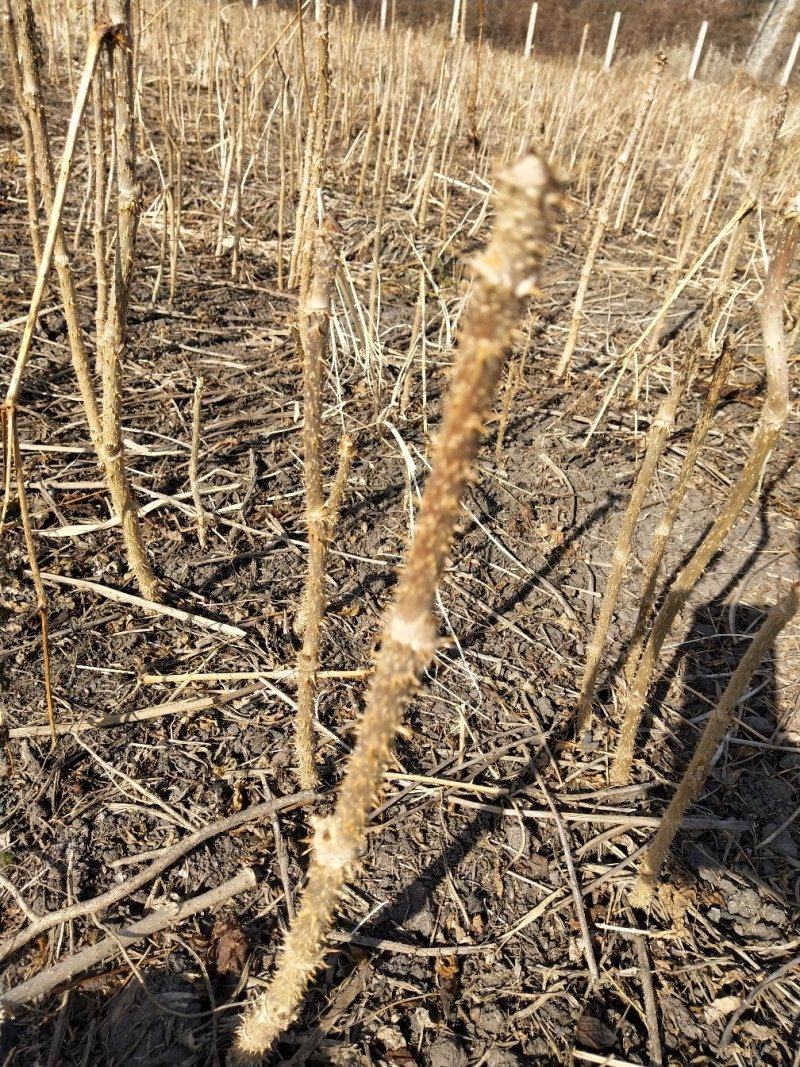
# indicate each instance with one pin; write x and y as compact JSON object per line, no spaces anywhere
{"x":113,"y":896}
{"x":120,"y":937}
{"x":189,"y":706}
{"x":149,"y":605}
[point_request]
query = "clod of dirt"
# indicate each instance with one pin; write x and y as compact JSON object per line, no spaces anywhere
{"x":502,"y":1057}
{"x":488,"y":1020}
{"x":446,"y":1051}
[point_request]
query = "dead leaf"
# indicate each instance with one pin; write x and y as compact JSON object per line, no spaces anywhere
{"x":448,"y":973}
{"x":446,"y":967}
{"x":231,"y":946}
{"x":720,"y":1008}
{"x":677,"y":900}
{"x":349,"y":611}
{"x":594,"y":1035}
{"x":538,"y":866}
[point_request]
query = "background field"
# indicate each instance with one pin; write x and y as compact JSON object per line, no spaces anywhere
{"x":645,"y":24}
{"x":458,"y":941}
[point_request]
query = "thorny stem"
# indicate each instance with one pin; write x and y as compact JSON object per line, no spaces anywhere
{"x":315,"y":309}
{"x":27,"y":133}
{"x":705,"y":339}
{"x":506,"y":275}
{"x":313,"y":161}
{"x":32,"y":101}
{"x":54,"y":244}
{"x":38,"y":585}
{"x":194,"y":458}
{"x":100,"y":185}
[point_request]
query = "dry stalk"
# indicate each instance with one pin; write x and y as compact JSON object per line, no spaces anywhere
{"x":514,"y":380}
{"x":12,"y":444}
{"x":31,"y":181}
{"x":53,"y":196}
{"x":721,"y":718}
{"x":100,"y":187}
{"x":54,"y":247}
{"x":739,"y":223}
{"x":506,"y":275}
{"x":664,"y":529}
{"x":40,"y":924}
{"x":604,"y":213}
{"x":112,"y":341}
{"x":767,"y":431}
{"x":119,"y":938}
{"x":314,"y":162}
{"x":107,"y":443}
{"x":315,"y":312}
{"x":657,"y":438}
{"x":282,"y":194}
{"x":194,"y":457}
{"x":703,"y":340}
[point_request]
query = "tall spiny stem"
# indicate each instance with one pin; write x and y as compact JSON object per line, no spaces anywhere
{"x":315,"y":309}
{"x":506,"y":275}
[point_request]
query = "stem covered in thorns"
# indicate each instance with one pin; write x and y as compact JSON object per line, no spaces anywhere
{"x":721,"y":719}
{"x":314,"y":160}
{"x":53,"y":193}
{"x":194,"y":459}
{"x":768,"y":429}
{"x":315,"y":312}
{"x":506,"y":274}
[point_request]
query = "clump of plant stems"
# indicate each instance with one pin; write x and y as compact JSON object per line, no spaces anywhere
{"x":505,"y":276}
{"x":105,"y":430}
{"x":706,"y":340}
{"x":770,"y":424}
{"x":767,"y":432}
{"x":104,"y":426}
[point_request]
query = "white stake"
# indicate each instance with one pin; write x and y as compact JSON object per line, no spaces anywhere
{"x":698,"y":50}
{"x":531,"y":25}
{"x":787,"y":70}
{"x":454,"y":20}
{"x":384,"y":4}
{"x":612,"y":40}
{"x":316,"y":10}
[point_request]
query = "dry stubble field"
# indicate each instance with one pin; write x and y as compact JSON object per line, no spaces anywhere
{"x":459,"y":939}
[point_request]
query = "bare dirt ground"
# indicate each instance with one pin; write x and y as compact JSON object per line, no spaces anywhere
{"x":459,"y":941}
